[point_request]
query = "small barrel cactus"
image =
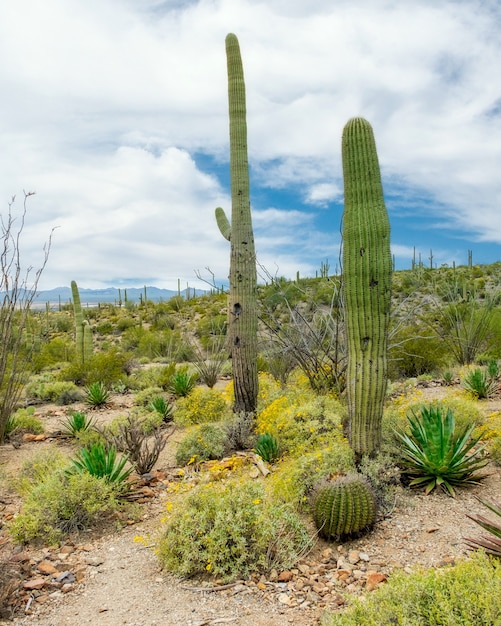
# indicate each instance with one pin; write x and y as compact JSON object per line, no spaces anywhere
{"x":344,"y":507}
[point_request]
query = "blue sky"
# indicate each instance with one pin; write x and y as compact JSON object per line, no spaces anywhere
{"x":115,"y":113}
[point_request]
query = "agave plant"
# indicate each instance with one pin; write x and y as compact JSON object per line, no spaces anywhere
{"x":182,"y":382}
{"x":96,"y":394}
{"x":77,"y":422}
{"x":433,"y":455}
{"x":481,"y":383}
{"x":163,"y":407}
{"x":490,"y":544}
{"x":267,"y":447}
{"x":101,"y":461}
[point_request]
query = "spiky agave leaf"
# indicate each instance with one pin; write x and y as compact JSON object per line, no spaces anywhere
{"x":491,"y":545}
{"x":434,"y":455}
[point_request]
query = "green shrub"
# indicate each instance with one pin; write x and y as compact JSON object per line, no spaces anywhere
{"x":467,"y":594}
{"x":36,"y":469}
{"x":108,"y":367}
{"x":415,"y":350}
{"x":50,"y":390}
{"x":145,"y":396}
{"x":61,"y":504}
{"x":230,"y":531}
{"x":201,"y":406}
{"x":24,"y":421}
{"x":203,"y":443}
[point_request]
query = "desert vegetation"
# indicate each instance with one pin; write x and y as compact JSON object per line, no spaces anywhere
{"x":295,"y":406}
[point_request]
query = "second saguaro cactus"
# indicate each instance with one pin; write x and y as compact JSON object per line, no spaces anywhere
{"x":367,"y":270}
{"x":83,"y":332}
{"x":242,"y":301}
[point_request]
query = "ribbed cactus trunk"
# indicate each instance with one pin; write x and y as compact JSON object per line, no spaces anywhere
{"x":242,"y":302}
{"x":83,"y":332}
{"x":367,"y":270}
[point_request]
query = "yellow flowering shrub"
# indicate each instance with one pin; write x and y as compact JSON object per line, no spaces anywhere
{"x":491,"y":432}
{"x":201,"y":406}
{"x":300,"y":420}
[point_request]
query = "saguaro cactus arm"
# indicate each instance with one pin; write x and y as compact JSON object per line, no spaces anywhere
{"x":367,"y":270}
{"x":223,"y":223}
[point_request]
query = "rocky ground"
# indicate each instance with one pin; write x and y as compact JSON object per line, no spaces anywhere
{"x":113,"y":579}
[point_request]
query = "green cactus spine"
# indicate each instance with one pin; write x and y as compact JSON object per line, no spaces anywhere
{"x":242,"y":302}
{"x":83,"y":332}
{"x":344,"y":507}
{"x":367,"y":270}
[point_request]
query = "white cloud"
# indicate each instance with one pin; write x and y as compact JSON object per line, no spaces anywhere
{"x":106,"y":103}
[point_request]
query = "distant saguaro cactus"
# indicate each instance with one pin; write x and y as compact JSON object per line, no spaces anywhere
{"x":242,"y":302}
{"x":367,"y":270}
{"x":83,"y":332}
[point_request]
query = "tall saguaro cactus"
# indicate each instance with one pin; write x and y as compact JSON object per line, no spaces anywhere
{"x":242,"y":302}
{"x":83,"y":332}
{"x":367,"y":269}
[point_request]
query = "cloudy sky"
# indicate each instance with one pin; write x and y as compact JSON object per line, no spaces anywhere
{"x":115,"y":113}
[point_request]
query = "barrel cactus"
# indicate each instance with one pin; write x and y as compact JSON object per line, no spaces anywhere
{"x":242,"y":303}
{"x":367,"y":270}
{"x":344,"y":507}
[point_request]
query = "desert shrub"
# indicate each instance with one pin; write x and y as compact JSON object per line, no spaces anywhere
{"x":384,"y":475}
{"x":57,"y":350}
{"x":37,"y":467}
{"x":46,"y":389}
{"x":294,"y":478}
{"x":414,"y":351}
{"x":467,"y":593}
{"x":230,"y":530}
{"x":142,"y":448}
{"x":201,"y":406}
{"x":301,"y":420}
{"x":24,"y":421}
{"x":203,"y":443}
{"x":145,"y":396}
{"x":60,"y":504}
{"x":491,"y":434}
{"x":125,"y":322}
{"x":104,"y":328}
{"x":107,"y":367}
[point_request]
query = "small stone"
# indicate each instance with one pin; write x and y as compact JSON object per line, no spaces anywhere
{"x":46,"y":567}
{"x":66,"y":577}
{"x":364,"y":557}
{"x":66,"y":587}
{"x":432,"y":529}
{"x":94,"y":561}
{"x":299,"y":584}
{"x":284,"y":577}
{"x":353,"y":556}
{"x":36,"y":583}
{"x":374,"y":579}
{"x":273,"y":576}
{"x":303,"y":568}
{"x":66,"y":550}
{"x":260,"y":585}
{"x":284,"y":598}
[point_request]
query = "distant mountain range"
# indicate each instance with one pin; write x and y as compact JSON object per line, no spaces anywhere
{"x":110,"y":295}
